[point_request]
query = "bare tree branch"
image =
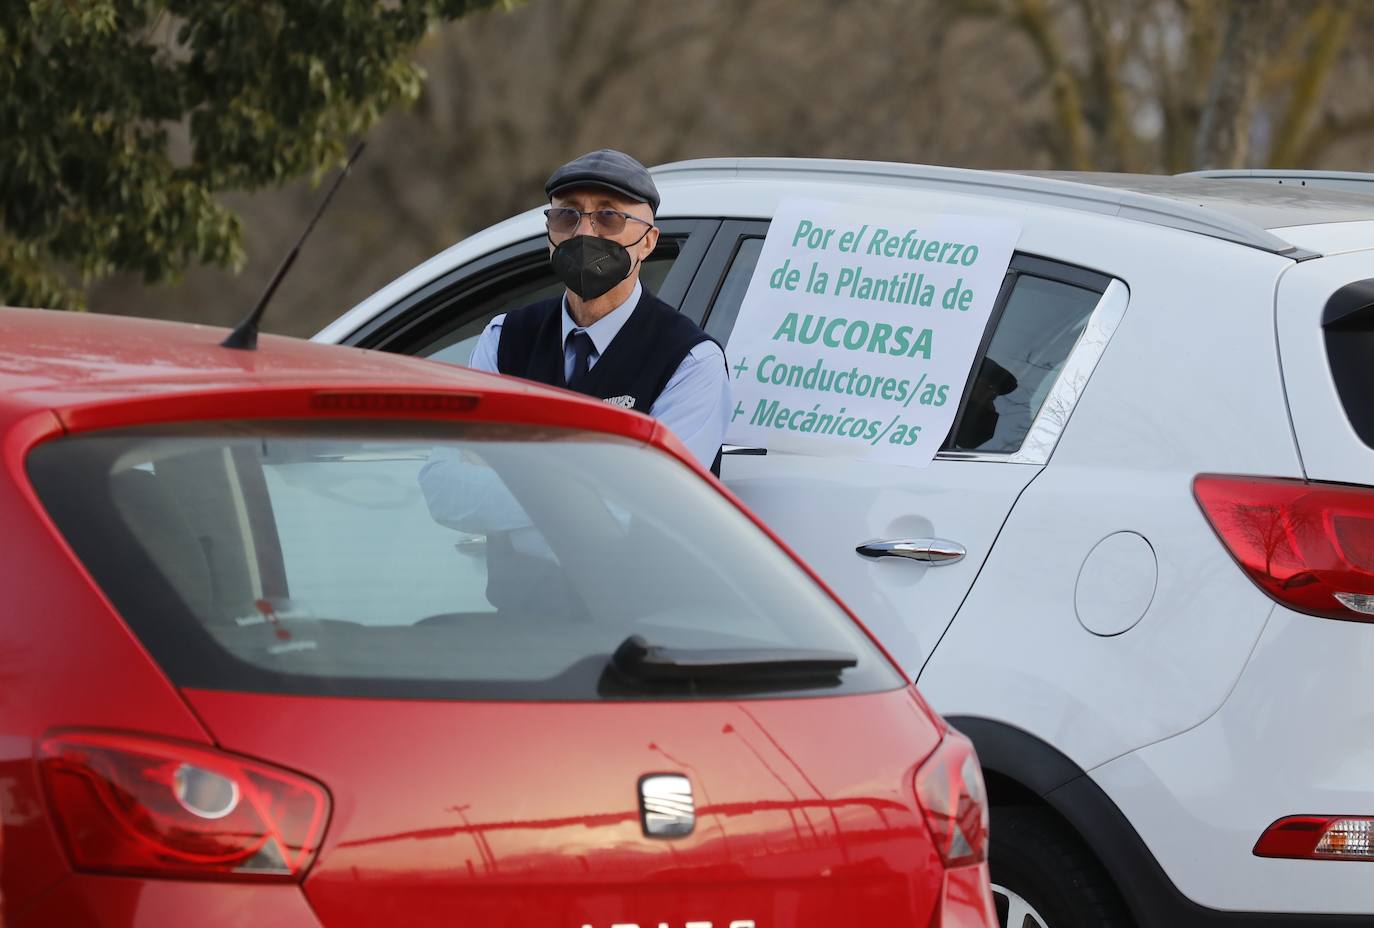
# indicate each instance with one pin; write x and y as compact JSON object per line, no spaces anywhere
{"x":980,"y":7}
{"x":1331,"y":130}
{"x":1203,"y":29}
{"x":1330,"y":27}
{"x":1106,"y":83}
{"x":1223,"y":137}
{"x":722,"y":52}
{"x":1283,"y":68}
{"x":1175,"y":137}
{"x":1034,"y":19}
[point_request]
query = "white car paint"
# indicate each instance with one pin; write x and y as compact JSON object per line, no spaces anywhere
{"x":1203,"y":710}
{"x":1291,"y":739}
{"x":1329,"y":447}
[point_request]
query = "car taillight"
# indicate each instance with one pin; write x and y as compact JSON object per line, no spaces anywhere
{"x":950,"y":788}
{"x":1308,"y":545}
{"x":1319,"y":837}
{"x":138,"y":805}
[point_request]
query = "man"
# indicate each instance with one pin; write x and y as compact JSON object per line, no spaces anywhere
{"x":607,"y":337}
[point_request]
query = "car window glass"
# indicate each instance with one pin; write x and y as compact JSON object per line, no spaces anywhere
{"x":472,"y":561}
{"x":1037,"y":329}
{"x":456,"y":344}
{"x":727,"y":304}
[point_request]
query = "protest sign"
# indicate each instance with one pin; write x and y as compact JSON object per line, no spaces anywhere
{"x":859,"y":328}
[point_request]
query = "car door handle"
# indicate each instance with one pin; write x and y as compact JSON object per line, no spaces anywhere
{"x":933,"y":551}
{"x":741,"y":449}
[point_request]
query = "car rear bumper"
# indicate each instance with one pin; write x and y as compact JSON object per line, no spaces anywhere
{"x":1290,"y":740}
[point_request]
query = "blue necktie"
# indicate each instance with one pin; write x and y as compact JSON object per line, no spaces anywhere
{"x":582,"y":347}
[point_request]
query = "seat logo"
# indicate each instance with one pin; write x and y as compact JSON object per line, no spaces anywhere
{"x":666,"y":808}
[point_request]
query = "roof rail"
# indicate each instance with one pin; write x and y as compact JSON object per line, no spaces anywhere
{"x":1333,"y":180}
{"x":1024,"y":188}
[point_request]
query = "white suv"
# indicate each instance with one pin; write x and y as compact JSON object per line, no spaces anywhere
{"x":1141,"y":580}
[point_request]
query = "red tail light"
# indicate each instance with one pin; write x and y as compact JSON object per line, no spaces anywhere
{"x":1319,"y":837}
{"x":1308,"y":545}
{"x":129,"y":804}
{"x":950,"y":788}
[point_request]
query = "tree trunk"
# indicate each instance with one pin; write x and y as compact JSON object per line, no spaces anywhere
{"x":1223,"y":139}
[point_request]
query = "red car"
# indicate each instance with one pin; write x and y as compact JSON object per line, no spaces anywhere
{"x":308,"y":636}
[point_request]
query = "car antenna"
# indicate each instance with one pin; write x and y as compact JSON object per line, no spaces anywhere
{"x":245,"y":334}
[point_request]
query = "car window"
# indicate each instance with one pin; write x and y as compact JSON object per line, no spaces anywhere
{"x":442,"y":318}
{"x":1038,"y":326}
{"x":456,"y":345}
{"x":726,"y":308}
{"x":478,"y":562}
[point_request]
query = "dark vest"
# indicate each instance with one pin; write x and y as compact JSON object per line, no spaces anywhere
{"x":634,"y":369}
{"x":636,"y":365}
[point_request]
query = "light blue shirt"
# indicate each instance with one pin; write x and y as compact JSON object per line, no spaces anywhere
{"x":694,"y":405}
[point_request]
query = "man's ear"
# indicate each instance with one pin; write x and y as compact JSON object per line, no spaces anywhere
{"x":649,"y":243}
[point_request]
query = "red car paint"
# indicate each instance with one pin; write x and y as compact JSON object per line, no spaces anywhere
{"x":493,"y":813}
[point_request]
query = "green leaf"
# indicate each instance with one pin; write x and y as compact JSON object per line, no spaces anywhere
{"x":269,"y":91}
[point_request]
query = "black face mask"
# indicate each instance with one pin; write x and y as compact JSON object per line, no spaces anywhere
{"x":590,"y":265}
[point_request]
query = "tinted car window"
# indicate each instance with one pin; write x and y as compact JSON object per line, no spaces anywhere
{"x":1348,"y":329}
{"x":456,"y":345}
{"x":1038,"y":327}
{"x":491,"y":562}
{"x":726,"y":309}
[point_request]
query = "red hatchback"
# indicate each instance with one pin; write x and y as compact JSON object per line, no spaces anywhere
{"x":307,"y":636}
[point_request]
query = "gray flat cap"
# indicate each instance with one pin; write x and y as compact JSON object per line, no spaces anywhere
{"x":608,"y":168}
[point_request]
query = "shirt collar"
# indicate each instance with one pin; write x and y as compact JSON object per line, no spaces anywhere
{"x":603,"y":330}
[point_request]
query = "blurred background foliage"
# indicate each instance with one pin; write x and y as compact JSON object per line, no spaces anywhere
{"x":161,"y":157}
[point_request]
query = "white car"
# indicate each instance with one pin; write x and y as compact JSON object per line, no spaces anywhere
{"x":1141,"y":580}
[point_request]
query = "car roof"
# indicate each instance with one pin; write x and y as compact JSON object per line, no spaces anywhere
{"x":57,"y":360}
{"x":1352,"y":181}
{"x":1218,"y":207}
{"x":1269,"y":206}
{"x":1244,"y":212}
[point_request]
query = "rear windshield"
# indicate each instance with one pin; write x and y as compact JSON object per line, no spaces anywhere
{"x":494,"y":562}
{"x":1348,"y":324}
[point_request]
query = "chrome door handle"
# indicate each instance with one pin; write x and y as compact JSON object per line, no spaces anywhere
{"x":933,"y":551}
{"x":741,"y":449}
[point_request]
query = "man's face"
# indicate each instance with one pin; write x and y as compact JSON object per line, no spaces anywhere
{"x":639,"y":238}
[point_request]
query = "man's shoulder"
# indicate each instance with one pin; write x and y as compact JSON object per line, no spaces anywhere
{"x":520,"y":331}
{"x":706,"y":349}
{"x":534,"y":313}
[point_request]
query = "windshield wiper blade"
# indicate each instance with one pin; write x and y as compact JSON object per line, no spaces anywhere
{"x":636,"y":659}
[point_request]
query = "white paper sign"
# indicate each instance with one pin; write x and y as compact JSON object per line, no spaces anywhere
{"x":859,"y":328}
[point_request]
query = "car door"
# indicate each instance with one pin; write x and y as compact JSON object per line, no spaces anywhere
{"x":443,"y":319}
{"x":924,"y":533}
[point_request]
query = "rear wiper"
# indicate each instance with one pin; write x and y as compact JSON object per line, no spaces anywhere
{"x":636,"y":659}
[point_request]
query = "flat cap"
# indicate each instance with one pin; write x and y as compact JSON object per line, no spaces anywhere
{"x":608,"y":168}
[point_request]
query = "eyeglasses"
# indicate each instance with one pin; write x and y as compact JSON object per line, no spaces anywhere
{"x":564,"y":220}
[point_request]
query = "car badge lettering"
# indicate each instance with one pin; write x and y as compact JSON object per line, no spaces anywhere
{"x":624,"y":402}
{"x":666,"y":808}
